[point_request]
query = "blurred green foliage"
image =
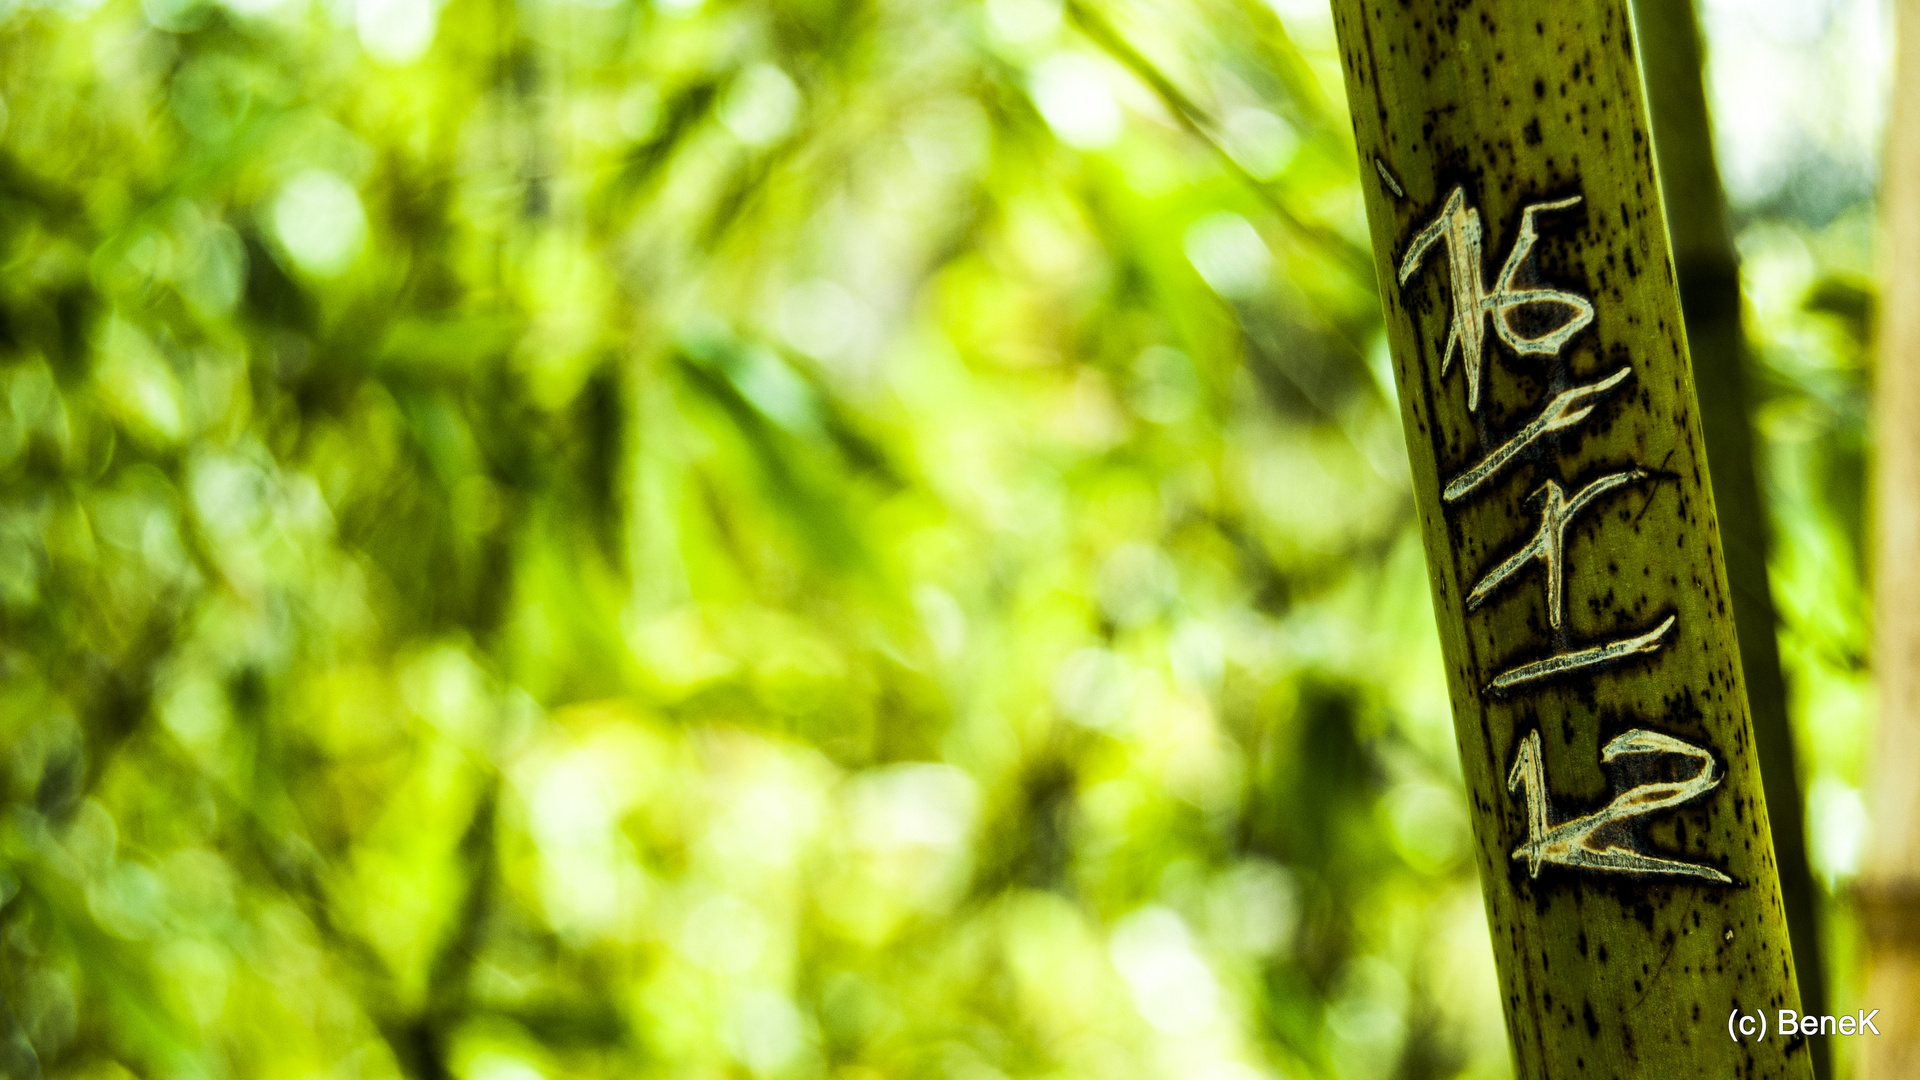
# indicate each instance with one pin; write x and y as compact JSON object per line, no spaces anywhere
{"x":834,"y":539}
{"x":841,"y":538}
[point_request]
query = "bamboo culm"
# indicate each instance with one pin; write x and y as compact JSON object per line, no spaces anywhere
{"x":1534,"y":323}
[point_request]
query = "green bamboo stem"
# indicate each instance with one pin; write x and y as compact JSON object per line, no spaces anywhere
{"x":1620,"y":826}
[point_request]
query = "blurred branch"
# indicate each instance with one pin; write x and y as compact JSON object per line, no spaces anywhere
{"x":296,"y":869}
{"x":1291,"y":68}
{"x":1201,"y":123}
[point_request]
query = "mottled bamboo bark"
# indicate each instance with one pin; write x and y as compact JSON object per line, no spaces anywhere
{"x":1531,"y":309}
{"x":1668,"y":34}
{"x":1890,"y":880}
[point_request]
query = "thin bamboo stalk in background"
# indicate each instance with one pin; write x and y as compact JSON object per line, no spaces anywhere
{"x":1889,"y":888}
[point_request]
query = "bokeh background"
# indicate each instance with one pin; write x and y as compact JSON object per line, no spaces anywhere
{"x":825,"y":538}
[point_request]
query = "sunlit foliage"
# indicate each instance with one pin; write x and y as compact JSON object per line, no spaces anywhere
{"x":859,"y":539}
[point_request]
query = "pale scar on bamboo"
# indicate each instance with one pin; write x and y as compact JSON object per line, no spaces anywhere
{"x":1603,"y":840}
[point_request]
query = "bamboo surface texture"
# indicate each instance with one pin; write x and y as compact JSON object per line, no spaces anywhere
{"x":1620,"y":827}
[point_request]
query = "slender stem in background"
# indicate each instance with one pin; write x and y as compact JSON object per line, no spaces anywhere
{"x":1709,"y":279}
{"x":1197,"y":121}
{"x":1889,"y":890}
{"x":1632,"y":912}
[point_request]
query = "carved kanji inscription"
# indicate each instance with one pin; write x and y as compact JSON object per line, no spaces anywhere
{"x":1602,"y":841}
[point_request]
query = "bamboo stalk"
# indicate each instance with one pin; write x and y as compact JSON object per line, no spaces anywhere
{"x":1620,"y":826}
{"x":1889,"y":888}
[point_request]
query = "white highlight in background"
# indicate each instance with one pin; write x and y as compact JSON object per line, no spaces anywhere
{"x":397,"y":31}
{"x":1070,"y":90}
{"x":319,"y":220}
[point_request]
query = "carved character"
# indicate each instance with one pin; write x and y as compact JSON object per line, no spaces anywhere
{"x":1473,"y":300}
{"x":1548,"y":544}
{"x":1602,"y":841}
{"x":1565,"y":410}
{"x":1578,"y":659}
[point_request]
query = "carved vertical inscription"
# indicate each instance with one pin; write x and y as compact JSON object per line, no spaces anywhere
{"x":1602,"y":841}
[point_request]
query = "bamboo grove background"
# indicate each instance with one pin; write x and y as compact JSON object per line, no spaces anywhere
{"x":834,"y":538}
